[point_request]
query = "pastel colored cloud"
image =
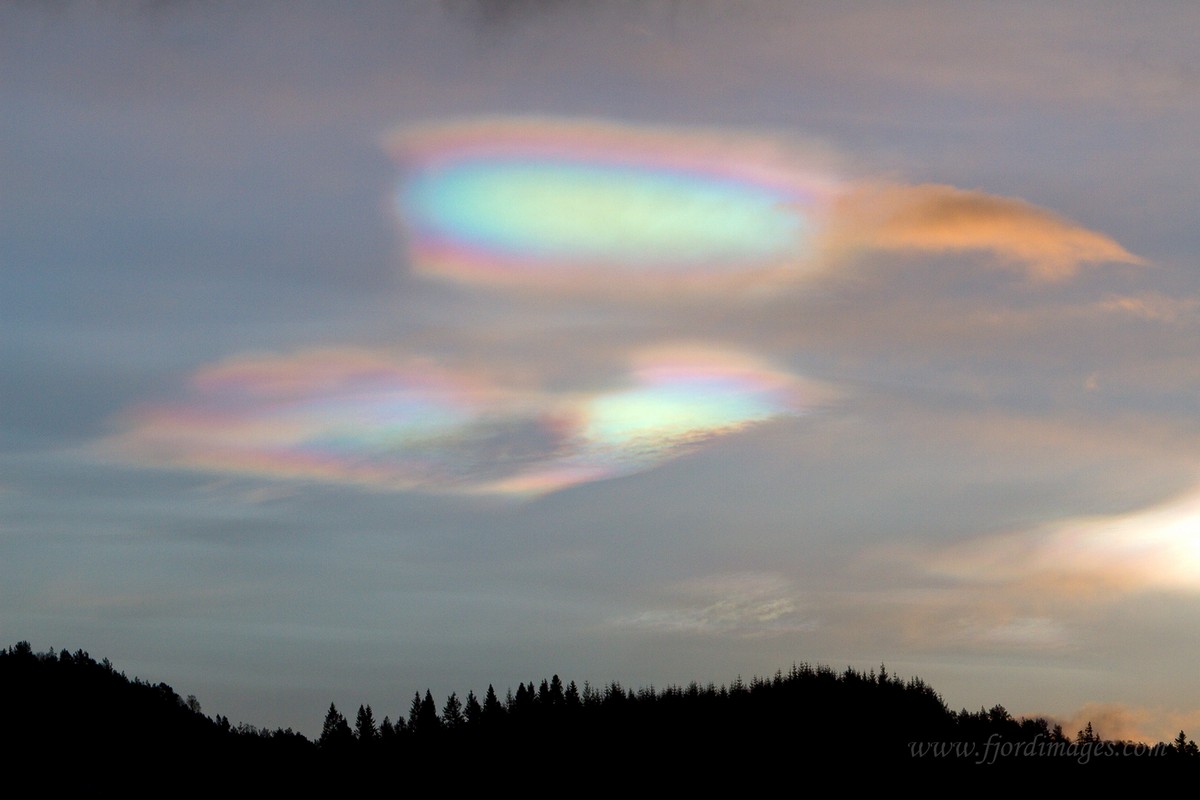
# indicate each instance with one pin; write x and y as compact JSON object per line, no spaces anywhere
{"x":680,"y":398}
{"x":379,"y":420}
{"x":338,"y":414}
{"x":557,"y":201}
{"x":603,"y":207}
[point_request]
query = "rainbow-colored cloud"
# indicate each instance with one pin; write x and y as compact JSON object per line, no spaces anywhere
{"x":592,"y":207}
{"x":555,"y":201}
{"x":379,"y":420}
{"x":605,"y":207}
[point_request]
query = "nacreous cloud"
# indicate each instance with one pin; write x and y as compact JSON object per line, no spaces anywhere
{"x":557,"y":202}
{"x":377,"y":420}
{"x":601,"y":207}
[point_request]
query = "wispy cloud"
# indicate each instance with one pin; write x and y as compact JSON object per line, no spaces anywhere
{"x":390,"y":421}
{"x":1043,"y":589}
{"x":1154,"y":306}
{"x":744,"y":604}
{"x":592,"y":205}
{"x":1102,"y":557}
{"x":933,"y":218}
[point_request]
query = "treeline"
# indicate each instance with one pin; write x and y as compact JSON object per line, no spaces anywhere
{"x":68,"y":703}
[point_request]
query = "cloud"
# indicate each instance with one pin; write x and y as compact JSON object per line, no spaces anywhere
{"x":391,"y":421}
{"x":1022,"y":632}
{"x":562,"y":203}
{"x":603,"y":207}
{"x":1154,"y":306}
{"x":1088,"y":558}
{"x":744,"y":604}
{"x":932,"y":218}
{"x":1045,"y":589}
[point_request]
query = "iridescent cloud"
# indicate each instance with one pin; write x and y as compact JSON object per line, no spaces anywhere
{"x":603,"y":206}
{"x":552,"y":200}
{"x":378,"y":420}
{"x":681,"y":398}
{"x":338,"y":414}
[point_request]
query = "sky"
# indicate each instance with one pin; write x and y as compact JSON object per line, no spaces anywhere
{"x":346,"y":353}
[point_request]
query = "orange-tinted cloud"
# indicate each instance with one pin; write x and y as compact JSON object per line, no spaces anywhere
{"x":934,"y":218}
{"x":1123,"y":722}
{"x":1156,"y":549}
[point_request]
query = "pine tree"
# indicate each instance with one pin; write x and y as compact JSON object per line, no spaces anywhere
{"x":452,"y":716}
{"x":336,"y":731}
{"x":414,"y":711}
{"x":1184,"y":746}
{"x":364,"y":725}
{"x":426,"y":721}
{"x":472,"y":711}
{"x":492,"y":710}
{"x":556,"y":691}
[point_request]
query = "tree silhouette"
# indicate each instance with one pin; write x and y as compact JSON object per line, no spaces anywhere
{"x":452,"y":715}
{"x":423,"y":716}
{"x":414,"y":711}
{"x":472,"y":711}
{"x":493,"y":711}
{"x":335,"y":732}
{"x":1185,"y":747}
{"x":364,"y":725}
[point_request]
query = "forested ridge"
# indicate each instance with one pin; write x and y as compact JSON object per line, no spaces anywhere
{"x":69,"y":703}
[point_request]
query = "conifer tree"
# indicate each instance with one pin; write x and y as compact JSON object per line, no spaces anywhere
{"x":335,"y":731}
{"x":452,"y":716}
{"x":492,"y":710}
{"x":364,"y":725}
{"x":414,"y":711}
{"x":472,"y":711}
{"x":426,"y":721}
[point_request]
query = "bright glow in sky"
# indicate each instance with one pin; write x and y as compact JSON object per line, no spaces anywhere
{"x":1101,"y":558}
